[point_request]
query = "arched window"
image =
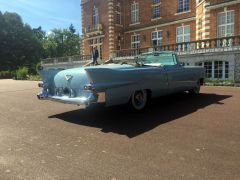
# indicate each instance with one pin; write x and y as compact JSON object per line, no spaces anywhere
{"x":95,"y":16}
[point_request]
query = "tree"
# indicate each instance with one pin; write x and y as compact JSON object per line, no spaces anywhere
{"x":61,"y":43}
{"x":40,"y":34}
{"x":18,"y":46}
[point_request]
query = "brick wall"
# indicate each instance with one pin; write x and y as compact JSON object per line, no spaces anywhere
{"x":103,"y":20}
{"x":169,"y":34}
{"x":214,"y":21}
{"x":201,"y":18}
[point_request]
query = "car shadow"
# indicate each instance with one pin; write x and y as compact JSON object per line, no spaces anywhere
{"x":122,"y":121}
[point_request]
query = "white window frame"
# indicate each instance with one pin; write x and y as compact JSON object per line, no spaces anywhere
{"x":225,"y":25}
{"x":183,"y":35}
{"x":135,"y":41}
{"x":156,"y":1}
{"x":135,"y":12}
{"x":158,"y":38}
{"x":213,"y":73}
{"x":184,"y":6}
{"x":156,"y":9}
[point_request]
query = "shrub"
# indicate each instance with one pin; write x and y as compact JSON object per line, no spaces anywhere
{"x":6,"y":74}
{"x":218,"y":82}
{"x":34,"y":78}
{"x":22,"y":73}
{"x":39,"y":67}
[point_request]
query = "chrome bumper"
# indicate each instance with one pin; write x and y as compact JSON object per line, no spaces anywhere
{"x":90,"y":99}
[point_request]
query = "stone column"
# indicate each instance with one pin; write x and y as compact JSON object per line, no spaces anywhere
{"x":111,"y":26}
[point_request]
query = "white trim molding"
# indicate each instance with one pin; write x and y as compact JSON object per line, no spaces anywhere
{"x":162,"y":25}
{"x":222,"y":4}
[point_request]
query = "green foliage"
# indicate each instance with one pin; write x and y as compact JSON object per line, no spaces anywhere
{"x":34,"y":78}
{"x":22,"y":46}
{"x":39,"y":66}
{"x":219,"y":82}
{"x":61,"y":43}
{"x":19,"y":46}
{"x":22,"y":73}
{"x":6,"y":74}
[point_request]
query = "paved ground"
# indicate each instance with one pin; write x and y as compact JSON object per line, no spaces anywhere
{"x":177,"y":137}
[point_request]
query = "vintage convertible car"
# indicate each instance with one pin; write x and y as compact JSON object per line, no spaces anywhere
{"x":151,"y":75}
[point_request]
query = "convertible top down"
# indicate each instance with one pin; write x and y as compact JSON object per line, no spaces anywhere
{"x":153,"y":74}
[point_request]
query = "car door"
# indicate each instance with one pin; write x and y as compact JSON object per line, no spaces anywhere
{"x":176,"y":78}
{"x":155,"y":78}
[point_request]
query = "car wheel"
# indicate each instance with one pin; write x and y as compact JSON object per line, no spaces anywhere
{"x":139,"y":100}
{"x":195,"y":90}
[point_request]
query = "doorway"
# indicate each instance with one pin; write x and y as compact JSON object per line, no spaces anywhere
{"x":96,"y":42}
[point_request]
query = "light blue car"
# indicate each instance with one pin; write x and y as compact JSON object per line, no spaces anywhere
{"x":153,"y":74}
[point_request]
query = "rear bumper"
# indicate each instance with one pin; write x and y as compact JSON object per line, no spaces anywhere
{"x":90,"y":99}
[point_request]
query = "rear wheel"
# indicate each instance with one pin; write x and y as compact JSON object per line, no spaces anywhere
{"x":139,"y":100}
{"x":196,"y":89}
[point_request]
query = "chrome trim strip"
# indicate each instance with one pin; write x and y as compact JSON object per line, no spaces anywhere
{"x":92,"y":98}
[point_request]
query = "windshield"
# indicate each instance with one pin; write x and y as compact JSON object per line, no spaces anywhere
{"x":158,"y":59}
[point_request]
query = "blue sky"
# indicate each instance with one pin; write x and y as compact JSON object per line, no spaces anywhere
{"x":46,"y":13}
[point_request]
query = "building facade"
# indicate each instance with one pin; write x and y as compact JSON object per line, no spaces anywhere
{"x":112,"y":25}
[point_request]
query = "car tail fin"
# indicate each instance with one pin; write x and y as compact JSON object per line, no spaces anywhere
{"x":48,"y":74}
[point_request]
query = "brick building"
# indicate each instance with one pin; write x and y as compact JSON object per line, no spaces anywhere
{"x":128,"y":24}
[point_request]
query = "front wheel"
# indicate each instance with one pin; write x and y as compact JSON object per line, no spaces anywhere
{"x":139,"y":100}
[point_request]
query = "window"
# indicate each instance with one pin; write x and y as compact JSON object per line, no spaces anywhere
{"x":226,"y":70}
{"x":135,"y":44}
{"x":216,"y":69}
{"x":95,"y":16}
{"x":157,"y":38}
{"x":96,"y":42}
{"x":156,"y":8}
{"x":183,"y":34}
{"x":200,"y":26}
{"x":157,"y":59}
{"x":226,"y":24}
{"x":156,"y":1}
{"x":118,"y":14}
{"x":135,"y":12}
{"x":183,"y":5}
{"x":135,"y":41}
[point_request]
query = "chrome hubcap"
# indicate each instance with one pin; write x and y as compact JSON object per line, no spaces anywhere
{"x":139,"y":99}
